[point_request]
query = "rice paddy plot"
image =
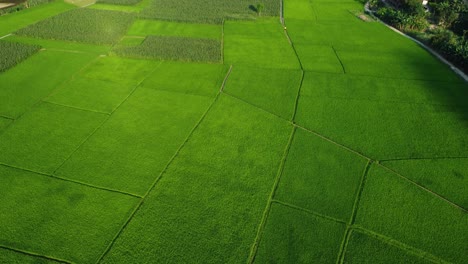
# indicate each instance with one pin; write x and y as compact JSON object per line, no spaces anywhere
{"x":56,"y":218}
{"x":60,"y":45}
{"x":274,"y":90}
{"x":298,"y":9}
{"x":213,"y":195}
{"x":146,"y":27}
{"x":319,"y":58}
{"x":366,"y":88}
{"x":365,"y":249}
{"x":134,"y":8}
{"x":44,"y":138}
{"x":400,"y":210}
{"x":207,"y":11}
{"x":263,"y":28}
{"x":187,"y":78}
{"x":132,"y":148}
{"x":48,"y":69}
{"x":295,"y":236}
{"x":119,"y":2}
{"x":336,"y":11}
{"x":86,"y":25}
{"x":330,"y":181}
{"x":12,"y":53}
{"x":4,"y":122}
{"x":174,"y":48}
{"x":386,"y":130}
{"x":446,"y":177}
{"x":91,"y":94}
{"x":120,"y":70}
{"x":12,"y":22}
{"x":404,"y":65}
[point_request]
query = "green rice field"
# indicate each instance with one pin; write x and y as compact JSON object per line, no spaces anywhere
{"x":160,"y":131}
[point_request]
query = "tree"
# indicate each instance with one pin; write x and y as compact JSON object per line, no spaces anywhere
{"x":447,"y":12}
{"x":260,"y":7}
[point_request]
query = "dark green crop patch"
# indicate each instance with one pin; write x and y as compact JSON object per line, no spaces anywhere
{"x":12,"y":53}
{"x":82,"y":25}
{"x":119,"y":2}
{"x":174,"y":48}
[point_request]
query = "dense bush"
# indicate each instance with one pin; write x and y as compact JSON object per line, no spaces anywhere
{"x":455,"y":48}
{"x":402,"y":20}
{"x":82,"y":25}
{"x":13,"y":53}
{"x":24,"y":5}
{"x":174,"y":48}
{"x":447,"y":12}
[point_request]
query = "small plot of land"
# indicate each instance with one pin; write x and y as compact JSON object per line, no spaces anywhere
{"x":135,"y":137}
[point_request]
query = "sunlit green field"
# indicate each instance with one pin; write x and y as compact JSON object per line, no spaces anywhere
{"x":160,"y":131}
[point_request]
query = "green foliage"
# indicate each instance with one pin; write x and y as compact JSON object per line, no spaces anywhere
{"x":135,"y":144}
{"x":293,"y":236}
{"x":447,"y":12}
{"x":274,"y":90}
{"x":35,"y":78}
{"x":206,"y":11}
{"x":119,"y":2}
{"x":12,"y":53}
{"x":145,"y":27}
{"x":14,"y":257}
{"x":174,"y":48}
{"x":259,"y":8}
{"x":82,"y":25}
{"x":213,"y":195}
{"x":59,"y":136}
{"x":454,"y":47}
{"x":403,"y":20}
{"x":317,"y":58}
{"x":365,"y":249}
{"x":57,"y":218}
{"x":330,"y":181}
{"x":4,"y":122}
{"x":400,"y":210}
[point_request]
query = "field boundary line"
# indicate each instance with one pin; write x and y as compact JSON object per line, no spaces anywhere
{"x":222,"y":43}
{"x":357,"y":200}
{"x":6,"y":36}
{"x":424,"y":188}
{"x":339,"y":59}
{"x":308,"y":211}
{"x":7,"y":117}
{"x":255,"y":106}
{"x":436,"y":54}
{"x":76,"y":108}
{"x":398,"y":244}
{"x":223,"y":84}
{"x":334,"y":142}
{"x":433,"y":158}
{"x":29,"y":253}
{"x":70,"y":180}
{"x":266,"y":212}
{"x":106,"y":119}
{"x":298,"y":95}
{"x":160,"y":175}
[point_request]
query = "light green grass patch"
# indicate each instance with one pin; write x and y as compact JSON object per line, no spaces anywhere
{"x":44,"y":138}
{"x":174,"y":48}
{"x":335,"y":11}
{"x":263,"y":28}
{"x":263,"y":53}
{"x":61,"y":45}
{"x":12,"y":53}
{"x":213,"y":195}
{"x":319,"y":58}
{"x":91,"y":94}
{"x":14,"y":21}
{"x":293,"y":236}
{"x":400,"y":210}
{"x":27,"y":83}
{"x":120,"y":70}
{"x":86,"y":25}
{"x":366,"y":88}
{"x":385,"y":130}
{"x":298,"y":9}
{"x":144,"y":27}
{"x":364,"y":249}
{"x":274,"y":90}
{"x":187,"y":78}
{"x":446,"y":177}
{"x":57,"y":218}
{"x":130,"y":150}
{"x":320,"y":176}
{"x":15,"y":257}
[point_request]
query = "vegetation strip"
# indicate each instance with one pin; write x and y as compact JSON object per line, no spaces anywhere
{"x":266,"y":213}
{"x":424,"y":188}
{"x":77,"y":108}
{"x":35,"y":255}
{"x":137,"y":208}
